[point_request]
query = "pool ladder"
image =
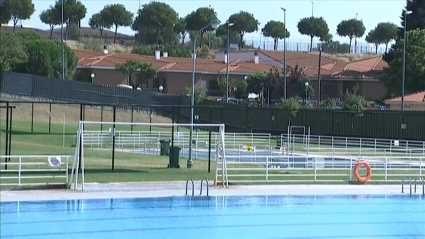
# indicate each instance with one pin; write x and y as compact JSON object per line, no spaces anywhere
{"x":417,"y":180}
{"x":193,"y":186}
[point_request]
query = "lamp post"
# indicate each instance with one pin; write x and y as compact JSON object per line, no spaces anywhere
{"x":92,"y":77}
{"x":214,"y":24}
{"x":404,"y":59}
{"x":355,"y":39}
{"x":306,"y":92}
{"x":312,"y":9}
{"x":62,"y":46}
{"x":284,"y":53}
{"x":161,"y":88}
{"x":229,"y":24}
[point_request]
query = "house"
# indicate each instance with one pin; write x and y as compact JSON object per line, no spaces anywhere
{"x":414,"y":101}
{"x":336,"y":76}
{"x":175,"y":74}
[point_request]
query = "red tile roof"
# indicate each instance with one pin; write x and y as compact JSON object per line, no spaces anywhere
{"x":415,"y":97}
{"x":98,"y":59}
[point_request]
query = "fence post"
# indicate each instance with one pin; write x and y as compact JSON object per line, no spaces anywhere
{"x":132,"y":119}
{"x":7,"y":134}
{"x":101,"y":118}
{"x":32,"y":117}
{"x":114,"y":117}
{"x":50,"y":116}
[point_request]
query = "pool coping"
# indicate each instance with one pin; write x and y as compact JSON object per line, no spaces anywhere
{"x":177,"y":189}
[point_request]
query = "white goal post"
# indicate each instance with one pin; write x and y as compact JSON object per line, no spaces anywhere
{"x":85,"y":132}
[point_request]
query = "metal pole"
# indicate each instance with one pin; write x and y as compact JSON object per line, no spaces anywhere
{"x":62,"y":47}
{"x":209,"y":150}
{"x":319,"y":95}
{"x":284,"y":54}
{"x":312,"y":9}
{"x":227,"y":63}
{"x":404,"y":63}
{"x":114,"y":118}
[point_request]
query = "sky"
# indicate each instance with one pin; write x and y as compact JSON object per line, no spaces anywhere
{"x":371,"y":12}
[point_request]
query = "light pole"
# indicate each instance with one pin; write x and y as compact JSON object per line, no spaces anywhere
{"x":404,"y":59}
{"x":355,"y":39}
{"x":312,"y":9}
{"x":62,"y":47}
{"x":306,"y":92}
{"x":92,"y":77}
{"x":214,"y":24}
{"x":229,"y":24}
{"x":284,"y":53}
{"x":161,"y":88}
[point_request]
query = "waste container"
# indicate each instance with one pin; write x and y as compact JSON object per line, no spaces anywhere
{"x":174,"y":157}
{"x":164,"y":147}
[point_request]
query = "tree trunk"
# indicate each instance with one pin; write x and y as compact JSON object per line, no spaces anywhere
{"x":101,"y":33}
{"x":349,"y":49}
{"x":376,"y":49}
{"x":183,"y":35}
{"x":311,"y":43}
{"x":241,"y":41}
{"x":51,"y":31}
{"x":202,"y":38}
{"x":275,"y":44}
{"x":130,"y":81}
{"x":115,"y":35}
{"x":66,"y":31}
{"x":386,"y":47}
{"x":15,"y":21}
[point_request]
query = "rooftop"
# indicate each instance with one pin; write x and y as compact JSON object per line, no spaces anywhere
{"x":415,"y":97}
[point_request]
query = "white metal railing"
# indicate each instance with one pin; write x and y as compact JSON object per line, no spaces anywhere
{"x":316,"y":168}
{"x":352,"y":146}
{"x":27,"y":170}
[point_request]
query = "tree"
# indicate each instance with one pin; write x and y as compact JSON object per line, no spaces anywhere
{"x":4,"y":12}
{"x":233,"y":35}
{"x":415,"y":65}
{"x":241,"y":91}
{"x":222,"y":84}
{"x":146,"y":72}
{"x":48,"y":17}
{"x":416,"y":20}
{"x":128,"y":68}
{"x":20,"y":10}
{"x":97,"y":21}
{"x":200,"y":18}
{"x":255,"y":81}
{"x":244,"y":22}
{"x":313,"y":27}
{"x":275,"y":30}
{"x":351,"y":28}
{"x":291,"y":105}
{"x":11,"y":51}
{"x":180,"y":28}
{"x":116,"y":15}
{"x":353,"y":102}
{"x":302,"y":90}
{"x":373,"y":38}
{"x":173,"y":50}
{"x":329,"y":104}
{"x":197,"y":94}
{"x":386,"y":32}
{"x":73,"y":12}
{"x":157,"y":18}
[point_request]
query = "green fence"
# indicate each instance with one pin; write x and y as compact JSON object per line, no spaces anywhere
{"x":373,"y":124}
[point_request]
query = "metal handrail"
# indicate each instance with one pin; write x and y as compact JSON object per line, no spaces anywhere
{"x":402,"y":184}
{"x":200,"y":192}
{"x":423,"y":184}
{"x":193,"y":186}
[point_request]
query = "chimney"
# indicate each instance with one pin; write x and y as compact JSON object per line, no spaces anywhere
{"x":256,"y":58}
{"x":105,"y":49}
{"x":157,"y":54}
{"x":165,"y":54}
{"x":225,"y":57}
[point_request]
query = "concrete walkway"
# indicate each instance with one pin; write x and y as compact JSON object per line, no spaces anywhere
{"x":171,"y":189}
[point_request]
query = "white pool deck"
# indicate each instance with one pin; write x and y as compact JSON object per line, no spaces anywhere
{"x":171,"y":189}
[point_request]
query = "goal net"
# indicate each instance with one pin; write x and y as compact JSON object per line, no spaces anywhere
{"x":129,"y":150}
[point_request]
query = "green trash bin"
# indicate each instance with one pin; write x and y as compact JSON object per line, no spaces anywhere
{"x":174,"y":157}
{"x":164,"y":147}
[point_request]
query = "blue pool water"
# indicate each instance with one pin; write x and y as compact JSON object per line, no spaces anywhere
{"x":218,"y":217}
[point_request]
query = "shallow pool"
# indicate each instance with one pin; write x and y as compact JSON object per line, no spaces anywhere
{"x":218,"y":217}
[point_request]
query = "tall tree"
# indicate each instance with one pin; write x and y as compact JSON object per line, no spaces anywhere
{"x":158,"y":18}
{"x":73,"y":12}
{"x":415,"y":65}
{"x":97,"y":21}
{"x":275,"y":30}
{"x":313,"y":27}
{"x":180,"y":28}
{"x":145,"y":71}
{"x":20,"y":10}
{"x":416,"y":20}
{"x":4,"y":12}
{"x":244,"y":22}
{"x":233,"y":35}
{"x":118,"y":16}
{"x":200,"y":18}
{"x":373,"y":38}
{"x":386,"y":32}
{"x":351,"y":28}
{"x":48,"y":17}
{"x":11,"y":51}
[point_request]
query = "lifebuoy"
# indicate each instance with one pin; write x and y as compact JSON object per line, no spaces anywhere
{"x":359,"y":178}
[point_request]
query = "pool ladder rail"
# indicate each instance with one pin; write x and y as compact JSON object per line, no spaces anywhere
{"x":416,"y":182}
{"x":193,"y":186}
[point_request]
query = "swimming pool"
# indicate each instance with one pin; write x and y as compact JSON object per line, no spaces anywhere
{"x":218,"y":217}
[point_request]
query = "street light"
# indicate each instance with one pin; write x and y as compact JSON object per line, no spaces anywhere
{"x":161,"y":88}
{"x":214,"y":24}
{"x":306,"y":91}
{"x":62,"y":43}
{"x":404,"y":59}
{"x":229,"y":24}
{"x":284,"y":53}
{"x":92,"y":77}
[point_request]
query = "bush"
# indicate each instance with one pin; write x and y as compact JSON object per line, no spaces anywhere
{"x":173,"y":50}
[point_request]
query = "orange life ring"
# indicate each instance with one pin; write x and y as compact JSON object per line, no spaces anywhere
{"x":356,"y":172}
